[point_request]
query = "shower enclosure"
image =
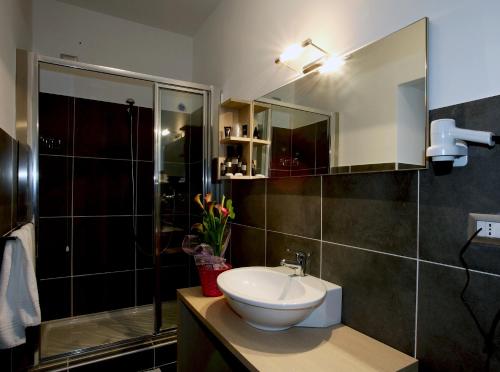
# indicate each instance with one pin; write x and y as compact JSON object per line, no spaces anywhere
{"x":119,"y":158}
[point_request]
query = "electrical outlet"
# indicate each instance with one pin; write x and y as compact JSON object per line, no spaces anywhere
{"x":489,"y":229}
{"x":489,"y":225}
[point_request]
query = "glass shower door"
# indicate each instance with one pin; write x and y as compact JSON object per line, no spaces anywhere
{"x":180,"y":170}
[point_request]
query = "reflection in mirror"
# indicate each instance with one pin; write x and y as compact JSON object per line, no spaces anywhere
{"x":373,"y":109}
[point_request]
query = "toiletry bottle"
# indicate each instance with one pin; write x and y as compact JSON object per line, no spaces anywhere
{"x":223,"y":168}
{"x":234,"y":162}
{"x":244,"y":167}
{"x":239,"y":152}
{"x":228,"y":159}
{"x":254,"y":167}
{"x":256,"y":133}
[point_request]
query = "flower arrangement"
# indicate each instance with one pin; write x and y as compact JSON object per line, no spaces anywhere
{"x":209,"y":242}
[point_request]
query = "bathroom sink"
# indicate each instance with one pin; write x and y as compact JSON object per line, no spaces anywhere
{"x":269,"y":298}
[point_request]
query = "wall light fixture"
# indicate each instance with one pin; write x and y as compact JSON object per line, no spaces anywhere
{"x":307,"y":56}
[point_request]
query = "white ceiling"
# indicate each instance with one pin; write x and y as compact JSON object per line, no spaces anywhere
{"x":180,"y":16}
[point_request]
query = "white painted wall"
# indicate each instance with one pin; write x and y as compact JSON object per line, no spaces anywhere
{"x":236,"y":46}
{"x":105,"y":40}
{"x":15,"y":32}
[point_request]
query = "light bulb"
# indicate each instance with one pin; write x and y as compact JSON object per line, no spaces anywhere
{"x":165,"y":132}
{"x":291,"y":52}
{"x":333,"y":63}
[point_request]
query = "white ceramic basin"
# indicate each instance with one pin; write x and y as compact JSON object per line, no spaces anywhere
{"x":270,"y":299}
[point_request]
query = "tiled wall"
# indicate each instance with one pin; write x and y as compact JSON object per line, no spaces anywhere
{"x":392,"y":241}
{"x":15,"y":209}
{"x":87,"y":259}
{"x":300,"y":151}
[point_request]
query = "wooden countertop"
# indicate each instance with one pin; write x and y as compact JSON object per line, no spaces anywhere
{"x":338,"y":348}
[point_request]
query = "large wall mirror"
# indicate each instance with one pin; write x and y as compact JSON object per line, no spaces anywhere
{"x":369,"y":115}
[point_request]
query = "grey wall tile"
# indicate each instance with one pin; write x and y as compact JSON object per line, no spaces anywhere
{"x":378,"y":293}
{"x":446,"y":201}
{"x":376,"y":211}
{"x":247,"y":246}
{"x":448,"y":339}
{"x":293,"y":206}
{"x":277,"y":245}
{"x":249,"y":202}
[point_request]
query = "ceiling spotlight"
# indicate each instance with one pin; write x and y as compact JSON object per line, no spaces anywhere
{"x":165,"y":132}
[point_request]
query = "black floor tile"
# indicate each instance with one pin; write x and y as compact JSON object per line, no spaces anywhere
{"x":165,"y":354}
{"x":378,"y":293}
{"x":135,"y":362}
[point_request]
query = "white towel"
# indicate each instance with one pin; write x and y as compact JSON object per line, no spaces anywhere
{"x":19,"y":304}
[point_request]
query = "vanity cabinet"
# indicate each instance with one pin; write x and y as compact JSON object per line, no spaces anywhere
{"x":234,"y":114}
{"x":211,"y":337}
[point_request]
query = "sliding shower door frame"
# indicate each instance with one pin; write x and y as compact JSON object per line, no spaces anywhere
{"x":211,"y":96}
{"x":206,"y":177}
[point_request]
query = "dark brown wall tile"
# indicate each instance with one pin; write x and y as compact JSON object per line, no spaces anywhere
{"x":54,"y":247}
{"x":376,"y":211}
{"x":145,"y":187}
{"x":55,"y":298}
{"x":145,"y":134}
{"x":277,"y":245}
{"x":55,"y":124}
{"x":102,"y":187}
{"x":102,"y":244}
{"x":102,"y":292}
{"x":378,"y":293}
{"x":448,"y":339}
{"x":102,"y":129}
{"x":54,"y":185}
{"x":293,"y":206}
{"x":248,"y":246}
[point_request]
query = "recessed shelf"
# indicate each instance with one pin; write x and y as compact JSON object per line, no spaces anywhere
{"x":232,"y":139}
{"x":241,"y":178}
{"x":259,"y":107}
{"x":235,"y":104}
{"x":260,"y":142}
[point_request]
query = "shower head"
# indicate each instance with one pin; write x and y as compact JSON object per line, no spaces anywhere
{"x":130,"y":102}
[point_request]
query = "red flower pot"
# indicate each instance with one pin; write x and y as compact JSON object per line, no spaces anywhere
{"x":208,"y":279}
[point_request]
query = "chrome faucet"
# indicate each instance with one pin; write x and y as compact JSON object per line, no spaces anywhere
{"x":299,"y":265}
